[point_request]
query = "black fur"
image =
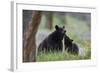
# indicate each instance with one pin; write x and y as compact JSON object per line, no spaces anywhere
{"x":54,"y":40}
{"x":70,"y":46}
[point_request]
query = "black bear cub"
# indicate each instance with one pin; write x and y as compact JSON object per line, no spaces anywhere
{"x":70,"y":46}
{"x":54,"y":41}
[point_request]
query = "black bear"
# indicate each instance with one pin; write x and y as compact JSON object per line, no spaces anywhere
{"x":70,"y":46}
{"x":54,"y":40}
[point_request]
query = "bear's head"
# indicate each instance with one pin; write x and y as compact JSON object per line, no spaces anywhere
{"x":60,"y":32}
{"x":67,"y":41}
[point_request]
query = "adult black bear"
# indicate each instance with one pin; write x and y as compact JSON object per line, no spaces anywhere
{"x":70,"y":46}
{"x":54,"y":41}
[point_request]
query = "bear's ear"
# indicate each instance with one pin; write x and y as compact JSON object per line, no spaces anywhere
{"x":72,"y":40}
{"x":56,"y":27}
{"x":63,"y":27}
{"x":65,"y":31}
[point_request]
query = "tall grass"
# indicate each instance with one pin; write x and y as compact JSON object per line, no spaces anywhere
{"x":61,"y":56}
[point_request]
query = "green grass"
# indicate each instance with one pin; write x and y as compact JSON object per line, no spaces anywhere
{"x":59,"y":56}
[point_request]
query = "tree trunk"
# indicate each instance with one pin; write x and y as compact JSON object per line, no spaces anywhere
{"x":29,"y":45}
{"x":49,"y":19}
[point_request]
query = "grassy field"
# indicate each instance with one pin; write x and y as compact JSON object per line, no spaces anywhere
{"x":59,"y":56}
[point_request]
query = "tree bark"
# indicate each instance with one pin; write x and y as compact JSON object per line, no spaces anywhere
{"x":29,"y":45}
